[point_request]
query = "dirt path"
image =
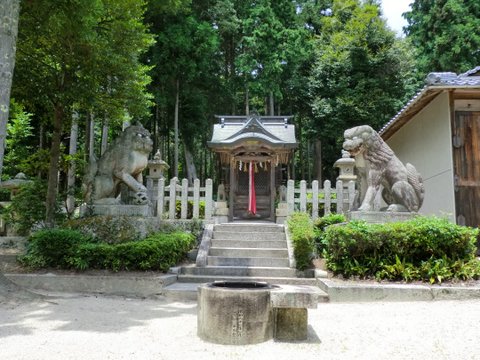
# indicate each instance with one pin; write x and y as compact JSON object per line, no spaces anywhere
{"x":89,"y":327}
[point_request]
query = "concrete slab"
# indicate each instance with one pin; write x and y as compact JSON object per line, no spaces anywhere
{"x":127,"y":285}
{"x":357,"y":292}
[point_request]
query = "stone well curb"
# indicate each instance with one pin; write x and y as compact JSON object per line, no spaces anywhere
{"x":153,"y":286}
{"x":357,"y":292}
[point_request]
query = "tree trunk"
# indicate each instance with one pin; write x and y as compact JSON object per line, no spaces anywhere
{"x":190,"y":165}
{"x":317,"y":161}
{"x":53,"y":167}
{"x":91,"y":136}
{"x":9,"y":11}
{"x":247,"y":101}
{"x":104,"y":144}
{"x":177,"y":100}
{"x":272,"y":108}
{"x":72,"y":167}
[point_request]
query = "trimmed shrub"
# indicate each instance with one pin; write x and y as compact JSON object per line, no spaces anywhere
{"x":300,"y":227}
{"x":52,"y":247}
{"x":69,"y":249}
{"x":321,"y":224}
{"x":424,"y":248}
{"x":109,"y":229}
{"x":157,"y":252}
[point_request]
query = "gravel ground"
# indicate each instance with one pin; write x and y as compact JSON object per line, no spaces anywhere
{"x":95,"y":327}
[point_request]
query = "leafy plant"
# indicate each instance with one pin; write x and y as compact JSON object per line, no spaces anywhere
{"x":28,"y":207}
{"x":429,"y":249}
{"x":300,"y":227}
{"x":70,"y":249}
{"x":52,"y":247}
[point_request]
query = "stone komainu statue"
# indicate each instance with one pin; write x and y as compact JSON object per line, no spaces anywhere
{"x":122,"y":162}
{"x":403,"y":188}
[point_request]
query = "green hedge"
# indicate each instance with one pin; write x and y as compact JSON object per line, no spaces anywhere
{"x":68,"y":249}
{"x":300,"y":227}
{"x":430,"y":249}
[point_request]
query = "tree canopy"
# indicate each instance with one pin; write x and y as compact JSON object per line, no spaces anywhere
{"x":173,"y":65}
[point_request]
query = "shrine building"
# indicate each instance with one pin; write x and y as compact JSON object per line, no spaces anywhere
{"x":255,"y":153}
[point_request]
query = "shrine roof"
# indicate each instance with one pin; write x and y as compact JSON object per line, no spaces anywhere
{"x":274,"y":130}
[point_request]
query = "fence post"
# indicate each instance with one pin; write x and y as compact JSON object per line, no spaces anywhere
{"x":351,"y":194}
{"x":328,"y":196}
{"x":303,"y":196}
{"x":196,"y":198}
{"x":183,"y":212}
{"x":339,"y":189}
{"x":314,"y":199}
{"x":290,"y":197}
{"x":172,"y":206}
{"x":160,"y":197}
{"x":208,"y":199}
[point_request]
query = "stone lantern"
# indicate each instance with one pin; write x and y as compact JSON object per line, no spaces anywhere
{"x":155,"y":167}
{"x":346,"y":165}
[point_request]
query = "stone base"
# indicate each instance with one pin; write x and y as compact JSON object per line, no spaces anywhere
{"x":280,"y":219}
{"x":291,"y":324}
{"x":220,"y":219}
{"x":118,"y":210}
{"x":380,"y":217}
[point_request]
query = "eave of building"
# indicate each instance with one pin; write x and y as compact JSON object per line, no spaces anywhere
{"x":232,"y":131}
{"x":423,"y":98}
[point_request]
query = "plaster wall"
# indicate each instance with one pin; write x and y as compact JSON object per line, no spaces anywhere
{"x":425,"y":142}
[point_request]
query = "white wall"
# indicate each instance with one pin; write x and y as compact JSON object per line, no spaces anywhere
{"x":425,"y":142}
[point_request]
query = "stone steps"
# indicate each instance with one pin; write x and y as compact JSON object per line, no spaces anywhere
{"x":248,"y":252}
{"x":268,"y":244}
{"x":250,"y":227}
{"x":247,"y":261}
{"x":238,"y":271}
{"x":248,"y":236}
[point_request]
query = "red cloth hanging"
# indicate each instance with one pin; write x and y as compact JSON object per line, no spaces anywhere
{"x":252,"y":199}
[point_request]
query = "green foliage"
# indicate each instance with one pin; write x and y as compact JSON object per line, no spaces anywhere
{"x":300,"y":227}
{"x":201,"y":209}
{"x":52,"y":247}
{"x":157,"y":252}
{"x":28,"y":207}
{"x":357,"y":77}
{"x":429,"y":249}
{"x":445,"y":33}
{"x":19,"y":136}
{"x":108,"y":229}
{"x":70,"y":249}
{"x":321,"y":224}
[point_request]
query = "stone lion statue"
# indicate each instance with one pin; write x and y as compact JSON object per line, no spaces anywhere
{"x":403,"y":188}
{"x":122,"y":162}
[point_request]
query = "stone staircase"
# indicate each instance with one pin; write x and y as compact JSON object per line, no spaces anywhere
{"x":10,"y":248}
{"x":248,"y":251}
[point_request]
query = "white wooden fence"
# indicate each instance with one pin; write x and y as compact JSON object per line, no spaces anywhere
{"x":298,"y":198}
{"x":173,"y":192}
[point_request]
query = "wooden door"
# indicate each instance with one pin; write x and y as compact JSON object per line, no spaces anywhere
{"x":262,"y":191}
{"x":466,"y":162}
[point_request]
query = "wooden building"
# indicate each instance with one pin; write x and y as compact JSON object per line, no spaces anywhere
{"x":438,"y":131}
{"x":255,"y":152}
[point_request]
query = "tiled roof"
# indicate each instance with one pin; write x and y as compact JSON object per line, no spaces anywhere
{"x":273,"y":129}
{"x":435,"y":83}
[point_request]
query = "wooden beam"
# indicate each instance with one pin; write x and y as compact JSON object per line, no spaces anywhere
{"x":231,"y":192}
{"x":273,"y":191}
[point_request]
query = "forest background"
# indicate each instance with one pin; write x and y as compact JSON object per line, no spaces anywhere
{"x":85,"y":68}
